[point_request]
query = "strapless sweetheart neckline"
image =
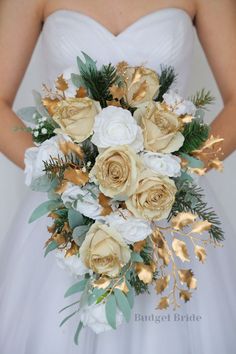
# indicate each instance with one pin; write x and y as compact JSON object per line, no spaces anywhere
{"x":125,"y":30}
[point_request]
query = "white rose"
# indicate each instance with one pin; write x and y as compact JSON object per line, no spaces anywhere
{"x":94,"y":316}
{"x":116,"y":126}
{"x":178,"y":105}
{"x":84,"y":200}
{"x":35,"y":156}
{"x":164,"y":164}
{"x":131,"y":229}
{"x":72,"y":264}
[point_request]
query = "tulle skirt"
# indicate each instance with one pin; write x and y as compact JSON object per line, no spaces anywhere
{"x":32,"y":292}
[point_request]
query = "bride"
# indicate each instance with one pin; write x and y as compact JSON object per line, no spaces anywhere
{"x":139,"y":32}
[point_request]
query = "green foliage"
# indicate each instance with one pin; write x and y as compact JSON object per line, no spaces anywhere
{"x":123,"y":303}
{"x":167,"y":78}
{"x":192,"y":161}
{"x":76,"y":337}
{"x":190,"y":198}
{"x":50,"y":247}
{"x":27,"y":114}
{"x":110,"y":309}
{"x":79,"y":234}
{"x":77,"y":287}
{"x":44,"y":208}
{"x":90,"y":152}
{"x":75,"y":218}
{"x":202,"y":98}
{"x":96,"y":81}
{"x":195,"y":134}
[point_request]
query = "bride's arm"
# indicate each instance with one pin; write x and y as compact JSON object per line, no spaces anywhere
{"x":216,"y":28}
{"x":20,"y":26}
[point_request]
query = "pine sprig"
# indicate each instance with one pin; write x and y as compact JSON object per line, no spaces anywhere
{"x":56,"y":167}
{"x":202,"y":98}
{"x":195,"y":134}
{"x":167,"y":78}
{"x":190,"y":198}
{"x":98,"y":82}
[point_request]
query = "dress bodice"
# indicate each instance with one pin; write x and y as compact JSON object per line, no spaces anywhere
{"x":163,"y":37}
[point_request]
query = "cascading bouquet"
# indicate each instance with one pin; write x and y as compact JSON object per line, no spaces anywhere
{"x":116,"y":151}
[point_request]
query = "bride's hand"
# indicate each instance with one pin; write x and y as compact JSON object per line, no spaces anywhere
{"x":20,"y":26}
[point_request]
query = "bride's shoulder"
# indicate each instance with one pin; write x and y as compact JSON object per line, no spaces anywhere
{"x":22,"y":8}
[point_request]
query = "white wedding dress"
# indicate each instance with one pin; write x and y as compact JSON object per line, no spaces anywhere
{"x":32,"y":287}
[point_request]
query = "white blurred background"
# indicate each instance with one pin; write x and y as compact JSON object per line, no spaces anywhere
{"x":13,"y":191}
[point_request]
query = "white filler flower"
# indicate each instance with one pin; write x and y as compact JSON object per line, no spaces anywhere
{"x":35,"y":156}
{"x":94,"y":316}
{"x":178,"y":105}
{"x":116,"y":126}
{"x":131,"y":229}
{"x":164,"y":164}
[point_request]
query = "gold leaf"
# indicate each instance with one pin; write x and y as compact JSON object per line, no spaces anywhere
{"x":141,"y":92}
{"x":62,"y":187}
{"x":187,"y":119}
{"x":59,"y":238}
{"x":76,"y":176}
{"x":61,"y":83}
{"x":200,"y":253}
{"x":102,"y":283}
{"x":50,"y":104}
{"x":138,"y":246}
{"x":121,"y":67}
{"x":81,"y":92}
{"x":114,"y":103}
{"x":198,"y":171}
{"x":164,"y":303}
{"x":216,"y":164}
{"x":180,"y":250}
{"x":73,"y":250}
{"x":185,"y":295}
{"x":200,"y":226}
{"x":144,"y":272}
{"x":51,"y":229}
{"x":104,"y":202}
{"x":68,"y":147}
{"x":211,"y":142}
{"x":162,"y":250}
{"x":182,"y":219}
{"x":187,"y":276}
{"x":117,"y":92}
{"x":162,"y":283}
{"x":123,"y":287}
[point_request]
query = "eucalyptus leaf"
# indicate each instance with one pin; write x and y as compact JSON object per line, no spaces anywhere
{"x":95,"y":295}
{"x":110,"y":309}
{"x":68,"y":317}
{"x":39,"y":106}
{"x":27,"y":114}
{"x":50,"y":247}
{"x":66,"y":307}
{"x":123,"y":303}
{"x":75,"y":218}
{"x":85,"y":294}
{"x":135,"y":257}
{"x":88,"y":64}
{"x":77,"y":80}
{"x":79,"y":234}
{"x":43,"y":209}
{"x":192,"y":161}
{"x":76,"y":337}
{"x":43,"y":184}
{"x":76,"y":288}
{"x":130,"y":295}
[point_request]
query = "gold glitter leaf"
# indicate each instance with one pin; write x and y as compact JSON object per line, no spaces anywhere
{"x":104,"y":202}
{"x":185,"y":295}
{"x":50,"y":104}
{"x":162,"y":250}
{"x":162,"y":283}
{"x":117,"y":92}
{"x":187,"y":276}
{"x":216,"y":164}
{"x":164,"y":303}
{"x":138,"y":246}
{"x":187,"y":119}
{"x":180,"y":250}
{"x":102,"y":283}
{"x":200,"y":226}
{"x":76,"y":176}
{"x":123,"y":287}
{"x":67,"y":147}
{"x":81,"y":92}
{"x":73,"y":250}
{"x":200,"y":253}
{"x":182,"y":219}
{"x":198,"y":171}
{"x":61,"y":83}
{"x":145,"y":272}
